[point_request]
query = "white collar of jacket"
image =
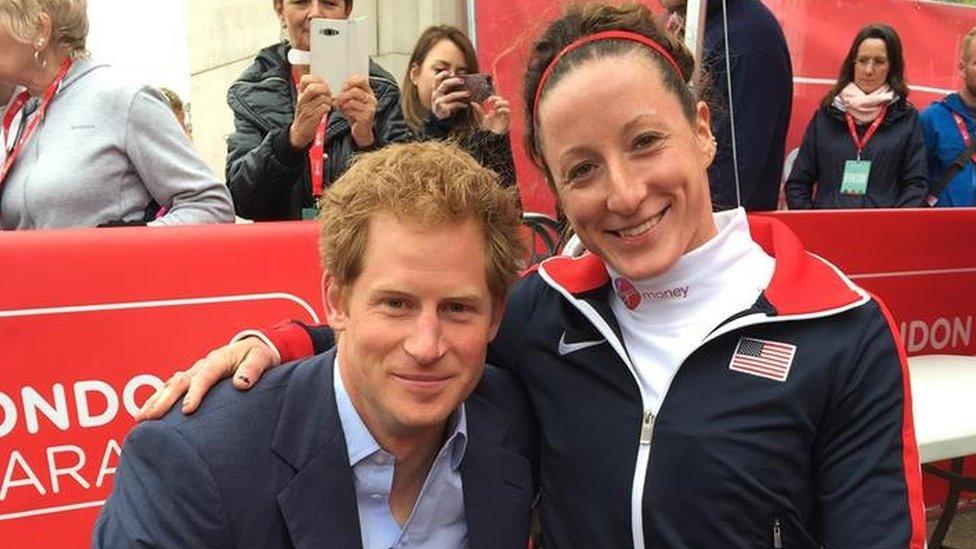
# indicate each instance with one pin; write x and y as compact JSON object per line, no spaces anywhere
{"x":803,"y":284}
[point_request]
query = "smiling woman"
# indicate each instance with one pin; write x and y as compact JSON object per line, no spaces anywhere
{"x":699,"y":379}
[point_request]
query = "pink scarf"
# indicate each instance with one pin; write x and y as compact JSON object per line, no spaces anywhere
{"x":864,"y":107}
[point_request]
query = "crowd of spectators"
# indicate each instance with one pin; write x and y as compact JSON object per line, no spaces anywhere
{"x":121,"y":160}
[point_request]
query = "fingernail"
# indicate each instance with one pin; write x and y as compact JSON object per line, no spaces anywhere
{"x":244,"y":378}
{"x":186,"y":402}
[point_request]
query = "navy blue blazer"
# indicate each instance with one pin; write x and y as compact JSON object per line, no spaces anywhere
{"x":269,"y":468}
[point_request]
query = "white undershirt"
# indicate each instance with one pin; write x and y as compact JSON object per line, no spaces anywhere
{"x":680,"y":307}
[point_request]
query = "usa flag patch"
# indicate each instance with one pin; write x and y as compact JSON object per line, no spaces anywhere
{"x":769,"y":359}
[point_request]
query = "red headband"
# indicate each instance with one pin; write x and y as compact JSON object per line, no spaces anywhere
{"x":600,"y":36}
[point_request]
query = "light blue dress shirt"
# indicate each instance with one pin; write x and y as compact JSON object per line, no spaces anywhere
{"x":437,"y":520}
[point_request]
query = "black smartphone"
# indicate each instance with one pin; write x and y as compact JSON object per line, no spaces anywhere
{"x":479,"y":85}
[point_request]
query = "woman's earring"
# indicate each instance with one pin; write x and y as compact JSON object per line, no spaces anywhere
{"x":38,"y":58}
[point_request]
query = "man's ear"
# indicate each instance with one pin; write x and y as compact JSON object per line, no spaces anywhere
{"x":335,"y":306}
{"x":497,"y":312}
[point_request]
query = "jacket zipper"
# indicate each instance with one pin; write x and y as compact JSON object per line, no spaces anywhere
{"x":647,"y":417}
{"x":647,"y":428}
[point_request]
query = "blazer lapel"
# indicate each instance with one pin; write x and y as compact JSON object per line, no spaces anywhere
{"x":319,"y":504}
{"x":497,"y":481}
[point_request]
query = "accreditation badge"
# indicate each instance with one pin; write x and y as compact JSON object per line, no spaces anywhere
{"x":855,"y":181}
{"x":310,"y":213}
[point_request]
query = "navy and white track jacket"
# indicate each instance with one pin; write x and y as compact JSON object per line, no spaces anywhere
{"x":826,"y":457}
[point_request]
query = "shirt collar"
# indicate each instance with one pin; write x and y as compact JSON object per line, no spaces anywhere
{"x":360,"y":443}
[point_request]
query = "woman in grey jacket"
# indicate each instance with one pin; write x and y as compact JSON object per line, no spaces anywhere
{"x":268,"y":155}
{"x":90,"y":149}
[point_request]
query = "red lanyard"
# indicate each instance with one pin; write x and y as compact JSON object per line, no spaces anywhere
{"x":963,"y":131}
{"x":316,"y":153}
{"x":32,"y":125}
{"x":862,"y":142}
{"x":12,"y":109}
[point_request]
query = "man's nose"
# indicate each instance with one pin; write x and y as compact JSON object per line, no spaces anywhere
{"x":426,"y":343}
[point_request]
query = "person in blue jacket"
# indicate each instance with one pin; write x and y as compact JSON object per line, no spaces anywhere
{"x":761,"y":74}
{"x":699,"y":379}
{"x":863,"y":148}
{"x":946,"y":138}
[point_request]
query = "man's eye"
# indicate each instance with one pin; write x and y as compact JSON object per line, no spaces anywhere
{"x":457,"y":307}
{"x":395,"y":303}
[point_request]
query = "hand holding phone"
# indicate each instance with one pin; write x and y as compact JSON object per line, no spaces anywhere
{"x":478,"y":85}
{"x":447,"y":97}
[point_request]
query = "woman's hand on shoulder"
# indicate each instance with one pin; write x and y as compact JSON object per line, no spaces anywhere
{"x":245,"y":360}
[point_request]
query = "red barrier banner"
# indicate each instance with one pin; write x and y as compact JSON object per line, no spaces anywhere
{"x":91,"y":321}
{"x":920,"y":262}
{"x":818,"y":33}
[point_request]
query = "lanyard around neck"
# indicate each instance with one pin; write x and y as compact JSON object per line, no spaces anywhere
{"x":12,"y":109}
{"x":967,"y":140}
{"x":49,"y":94}
{"x":861,"y":142}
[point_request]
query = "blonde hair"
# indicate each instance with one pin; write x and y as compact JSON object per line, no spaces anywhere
{"x":69,"y":22}
{"x":429,"y":184}
{"x":966,"y":42}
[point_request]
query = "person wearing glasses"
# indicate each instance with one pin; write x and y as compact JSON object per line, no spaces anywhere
{"x":864,"y":146}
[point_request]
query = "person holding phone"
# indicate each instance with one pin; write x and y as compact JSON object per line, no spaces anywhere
{"x":444,"y":97}
{"x":864,"y":146}
{"x":281,"y":155}
{"x":699,"y":379}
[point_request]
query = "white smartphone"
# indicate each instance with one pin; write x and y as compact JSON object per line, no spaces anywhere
{"x":340,"y":49}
